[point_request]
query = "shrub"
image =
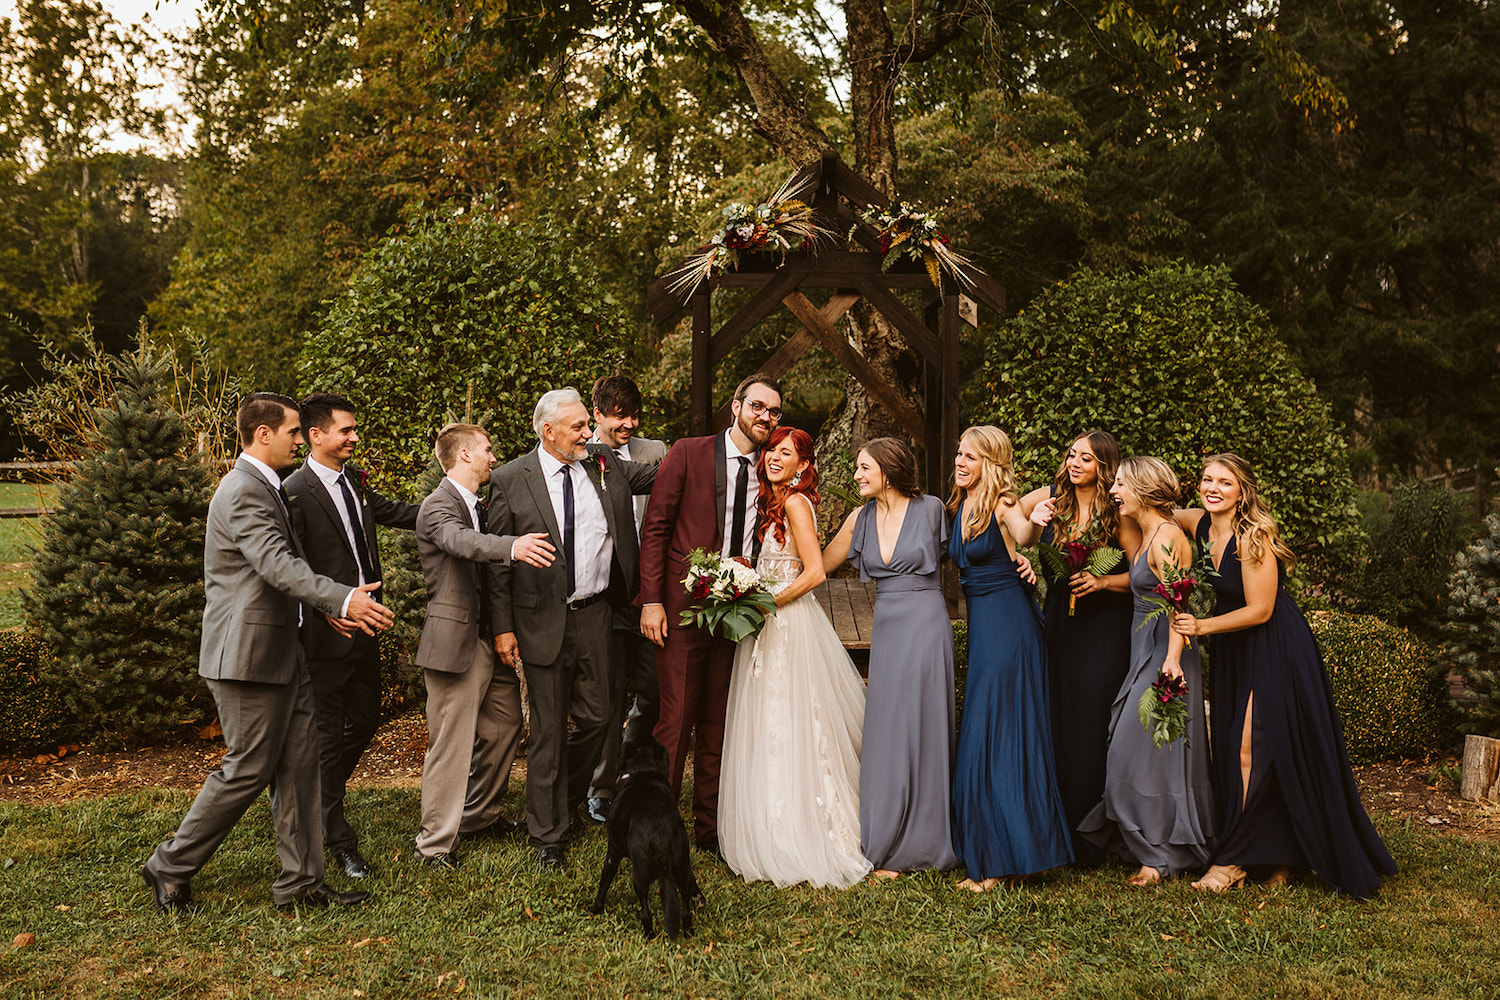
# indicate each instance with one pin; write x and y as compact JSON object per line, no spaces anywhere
{"x":461,"y":314}
{"x":1391,"y":703}
{"x":117,"y":594}
{"x":1175,"y":363}
{"x":32,"y":713}
{"x":1473,"y":629}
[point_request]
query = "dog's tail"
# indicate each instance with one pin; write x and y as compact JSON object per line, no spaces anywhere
{"x":671,"y":905}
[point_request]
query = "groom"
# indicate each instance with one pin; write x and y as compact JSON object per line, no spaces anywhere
{"x":704,"y":497}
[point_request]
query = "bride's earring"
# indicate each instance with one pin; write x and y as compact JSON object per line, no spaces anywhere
{"x":796,"y":478}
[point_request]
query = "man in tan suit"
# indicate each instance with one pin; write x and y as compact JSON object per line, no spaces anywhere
{"x":473,"y":709}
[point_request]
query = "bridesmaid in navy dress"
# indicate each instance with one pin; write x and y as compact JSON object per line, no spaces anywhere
{"x":1086,"y":619}
{"x":1281,"y":772}
{"x":897,"y":539}
{"x":1008,"y":816}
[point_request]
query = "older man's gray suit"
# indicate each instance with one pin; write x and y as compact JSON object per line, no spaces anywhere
{"x":564,"y":651}
{"x":473,"y":700}
{"x":254,"y":580}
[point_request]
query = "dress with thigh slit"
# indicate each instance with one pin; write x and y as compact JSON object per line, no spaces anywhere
{"x":1303,"y":807}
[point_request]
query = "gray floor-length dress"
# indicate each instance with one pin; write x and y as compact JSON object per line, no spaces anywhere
{"x":905,"y":817}
{"x":1158,"y":803}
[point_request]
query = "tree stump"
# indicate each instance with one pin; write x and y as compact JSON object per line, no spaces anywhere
{"x":1481,"y":769}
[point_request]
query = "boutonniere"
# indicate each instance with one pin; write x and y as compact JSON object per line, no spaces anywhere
{"x":597,"y":452}
{"x":362,"y":480}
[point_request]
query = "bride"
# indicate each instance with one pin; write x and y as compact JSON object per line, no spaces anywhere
{"x":789,"y":784}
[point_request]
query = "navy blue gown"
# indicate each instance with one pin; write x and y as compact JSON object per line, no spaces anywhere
{"x":1008,"y":815}
{"x":1303,"y":809}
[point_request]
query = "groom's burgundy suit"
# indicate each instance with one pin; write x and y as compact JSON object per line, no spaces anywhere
{"x":686,"y":511}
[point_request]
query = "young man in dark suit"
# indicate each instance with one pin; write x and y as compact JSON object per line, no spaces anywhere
{"x":257,"y":587}
{"x":704,"y":497}
{"x":334,"y":512}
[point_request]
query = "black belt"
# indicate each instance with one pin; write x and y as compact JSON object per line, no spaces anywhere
{"x":585,"y":602}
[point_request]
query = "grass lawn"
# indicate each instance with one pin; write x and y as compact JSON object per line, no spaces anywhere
{"x":501,"y":928}
{"x":26,"y":495}
{"x":17,"y":535}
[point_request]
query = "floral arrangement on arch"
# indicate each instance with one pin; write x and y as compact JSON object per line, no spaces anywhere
{"x":781,"y":223}
{"x":908,"y":232}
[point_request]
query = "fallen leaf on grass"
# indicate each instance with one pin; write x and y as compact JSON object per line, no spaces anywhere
{"x":212,"y":731}
{"x":63,"y":907}
{"x":1168,"y":937}
{"x":23,"y":940}
{"x":528,"y":912}
{"x":362,"y":942}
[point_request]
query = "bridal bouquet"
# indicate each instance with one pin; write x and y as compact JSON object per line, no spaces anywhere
{"x":1164,"y":711}
{"x":1183,"y":591}
{"x":1085,"y":554}
{"x":729,"y":598}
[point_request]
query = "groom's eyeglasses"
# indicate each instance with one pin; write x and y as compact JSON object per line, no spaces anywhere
{"x":757,"y":408}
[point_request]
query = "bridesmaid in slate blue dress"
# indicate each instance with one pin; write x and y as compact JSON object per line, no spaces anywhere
{"x":1008,"y":816}
{"x":1086,"y":620}
{"x":906,"y":764}
{"x":1281,"y":771}
{"x":1157,"y":809}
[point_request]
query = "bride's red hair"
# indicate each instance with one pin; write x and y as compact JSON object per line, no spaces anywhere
{"x":771,"y":505}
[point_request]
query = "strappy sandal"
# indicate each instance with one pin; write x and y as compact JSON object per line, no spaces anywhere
{"x":1221,"y":878}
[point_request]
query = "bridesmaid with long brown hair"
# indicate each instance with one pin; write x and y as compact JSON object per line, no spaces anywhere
{"x":1281,"y":772}
{"x":1086,"y":619}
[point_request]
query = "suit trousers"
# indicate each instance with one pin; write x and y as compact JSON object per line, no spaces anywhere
{"x":272,"y":742}
{"x":693,"y":673}
{"x":346,"y":692}
{"x":633,"y":673}
{"x":577,"y":683}
{"x":473,"y":728}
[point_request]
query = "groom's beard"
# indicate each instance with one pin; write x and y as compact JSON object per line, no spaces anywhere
{"x":747,"y":426}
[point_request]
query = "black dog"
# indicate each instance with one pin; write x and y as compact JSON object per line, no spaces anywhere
{"x":644,"y":826}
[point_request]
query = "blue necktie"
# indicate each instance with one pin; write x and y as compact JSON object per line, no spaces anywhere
{"x":568,"y":532}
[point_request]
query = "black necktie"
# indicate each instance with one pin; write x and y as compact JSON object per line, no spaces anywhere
{"x":741,"y":492}
{"x":286,"y":501}
{"x":481,"y":513}
{"x":361,"y":549}
{"x":568,"y":531}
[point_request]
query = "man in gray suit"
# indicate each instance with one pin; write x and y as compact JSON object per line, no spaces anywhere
{"x":334,"y":512}
{"x":257,"y":587}
{"x":555,"y":622}
{"x":617,"y":415}
{"x":473,"y":707}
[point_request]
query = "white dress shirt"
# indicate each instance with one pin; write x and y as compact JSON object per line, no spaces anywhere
{"x":275,"y":481}
{"x":471,"y":499}
{"x":593,"y":549}
{"x":330,"y":479}
{"x":732,"y":468}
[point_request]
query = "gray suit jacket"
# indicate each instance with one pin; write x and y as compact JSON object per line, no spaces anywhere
{"x":253,"y":579}
{"x":325,"y":544}
{"x":532,"y":602}
{"x":455,"y":557}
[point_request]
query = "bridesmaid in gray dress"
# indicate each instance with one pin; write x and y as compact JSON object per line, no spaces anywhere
{"x":1157,"y":809}
{"x":897,"y":540}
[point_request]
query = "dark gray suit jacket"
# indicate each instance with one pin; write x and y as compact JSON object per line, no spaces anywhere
{"x":532,"y":602}
{"x":253,"y":579}
{"x":325,"y":544}
{"x":454,"y":556}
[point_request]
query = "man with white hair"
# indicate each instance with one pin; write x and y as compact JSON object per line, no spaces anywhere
{"x":554,"y":622}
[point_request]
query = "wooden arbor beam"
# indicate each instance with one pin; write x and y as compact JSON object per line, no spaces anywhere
{"x":796,"y":345}
{"x":888,"y":396}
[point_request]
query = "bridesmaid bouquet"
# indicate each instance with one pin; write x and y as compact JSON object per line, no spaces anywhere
{"x":1183,"y":591}
{"x":1085,"y":554}
{"x":1164,"y":711}
{"x":729,"y":598}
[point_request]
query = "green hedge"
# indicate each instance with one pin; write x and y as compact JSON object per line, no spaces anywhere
{"x":1391,"y":702}
{"x":32,"y":714}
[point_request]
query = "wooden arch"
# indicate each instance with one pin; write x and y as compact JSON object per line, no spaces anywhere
{"x":837,"y":196}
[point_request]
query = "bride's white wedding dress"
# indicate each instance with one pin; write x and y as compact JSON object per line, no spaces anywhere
{"x":789,"y":778}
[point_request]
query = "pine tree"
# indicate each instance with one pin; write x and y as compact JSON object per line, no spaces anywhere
{"x":117,"y":595}
{"x":1474,"y":629}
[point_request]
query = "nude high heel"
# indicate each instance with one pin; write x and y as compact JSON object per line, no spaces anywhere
{"x":1220,"y":878}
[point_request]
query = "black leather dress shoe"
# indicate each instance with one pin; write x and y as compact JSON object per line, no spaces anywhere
{"x":552,"y":858}
{"x":597,"y":809}
{"x":443,"y":860}
{"x":709,"y":846}
{"x":323,"y":894}
{"x":170,"y":897}
{"x":497,"y":830}
{"x":354,"y":864}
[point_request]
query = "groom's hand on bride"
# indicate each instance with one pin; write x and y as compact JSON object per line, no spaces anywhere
{"x":654,"y":623}
{"x":508,"y":650}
